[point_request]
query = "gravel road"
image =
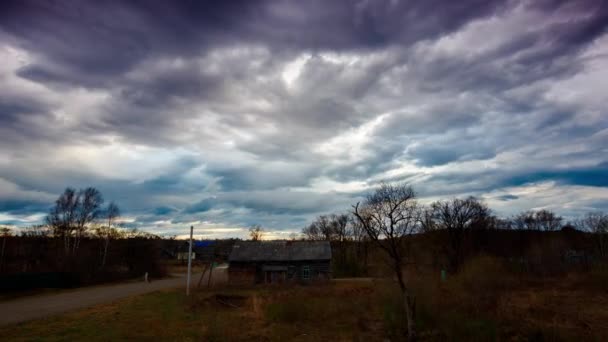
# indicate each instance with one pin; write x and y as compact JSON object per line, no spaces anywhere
{"x":29,"y":308}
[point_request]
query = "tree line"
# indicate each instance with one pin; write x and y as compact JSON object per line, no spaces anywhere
{"x":82,"y":238}
{"x":391,"y":216}
{"x":74,"y":214}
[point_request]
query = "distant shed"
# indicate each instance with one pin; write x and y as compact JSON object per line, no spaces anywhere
{"x":279,"y":261}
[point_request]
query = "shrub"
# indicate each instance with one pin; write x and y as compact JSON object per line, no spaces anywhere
{"x":482,"y":275}
{"x":597,"y":278}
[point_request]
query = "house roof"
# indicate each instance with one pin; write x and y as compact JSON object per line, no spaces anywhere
{"x":280,"y":251}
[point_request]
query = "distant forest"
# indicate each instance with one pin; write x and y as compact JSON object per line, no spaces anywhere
{"x":82,"y":239}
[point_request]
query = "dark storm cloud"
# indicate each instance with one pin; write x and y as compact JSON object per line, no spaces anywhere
{"x":107,"y":38}
{"x":13,"y":109}
{"x":549,"y":51}
{"x":437,"y":156}
{"x":416,"y":83}
{"x":23,"y":117}
{"x":508,"y":197}
{"x":452,"y":183}
{"x":274,"y":202}
{"x":163,"y":211}
{"x":200,"y":207}
{"x":383,"y":156}
{"x":595,"y":176}
{"x":22,"y":206}
{"x":172,"y":178}
{"x":272,"y":175}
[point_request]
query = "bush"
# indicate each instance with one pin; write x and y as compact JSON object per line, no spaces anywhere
{"x":393,"y":313}
{"x":482,"y":275}
{"x":597,"y":278}
{"x":462,"y":307}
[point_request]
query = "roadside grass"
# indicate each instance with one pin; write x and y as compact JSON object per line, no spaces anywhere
{"x":481,"y":303}
{"x":159,"y":315}
{"x":335,"y":312}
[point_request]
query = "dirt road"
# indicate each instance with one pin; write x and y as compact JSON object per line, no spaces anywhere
{"x":28,"y":308}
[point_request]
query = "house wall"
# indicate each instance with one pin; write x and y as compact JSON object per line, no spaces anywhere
{"x":250,"y":273}
{"x":184,"y":255}
{"x":241,"y":273}
{"x":317,"y":271}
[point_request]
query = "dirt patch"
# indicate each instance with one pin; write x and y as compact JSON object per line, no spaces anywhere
{"x":232,"y":301}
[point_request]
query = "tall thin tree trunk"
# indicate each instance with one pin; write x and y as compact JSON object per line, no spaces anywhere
{"x":105,"y":252}
{"x":365,"y":260}
{"x":602,"y":244}
{"x":2,"y":254}
{"x":407,"y":305}
{"x":76,"y":244}
{"x":202,"y":275}
{"x":66,"y":243}
{"x":210,"y":274}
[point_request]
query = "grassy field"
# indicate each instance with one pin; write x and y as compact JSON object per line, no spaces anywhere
{"x":337,"y":312}
{"x":480,"y":304}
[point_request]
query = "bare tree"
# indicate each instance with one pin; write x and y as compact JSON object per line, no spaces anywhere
{"x":361,"y":240}
{"x":111,"y":213}
{"x":339,"y":227}
{"x":36,"y":231}
{"x":320,"y":229}
{"x":339,"y":231}
{"x":62,"y":217}
{"x":325,"y":227}
{"x":596,"y":223}
{"x":312,"y":232}
{"x":88,"y":209}
{"x":524,"y":221}
{"x":388,"y":216}
{"x":537,"y":220}
{"x":72,"y":212}
{"x":256,"y":232}
{"x":458,"y":217}
{"x":427,"y":221}
{"x":5,"y":232}
{"x":548,"y":220}
{"x":328,"y":227}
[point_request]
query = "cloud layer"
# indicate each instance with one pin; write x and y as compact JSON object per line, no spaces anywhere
{"x":226,"y":114}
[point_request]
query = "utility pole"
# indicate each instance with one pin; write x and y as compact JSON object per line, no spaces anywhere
{"x":189,"y":262}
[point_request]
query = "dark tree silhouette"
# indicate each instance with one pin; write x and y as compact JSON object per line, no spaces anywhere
{"x":4,"y":232}
{"x":319,"y":229}
{"x":256,"y":232}
{"x":111,"y":213}
{"x":596,"y":223}
{"x":537,"y":220}
{"x":388,"y":216}
{"x":458,"y":217}
{"x":63,"y":216}
{"x":72,"y":213}
{"x":88,"y":209}
{"x":332,"y":227}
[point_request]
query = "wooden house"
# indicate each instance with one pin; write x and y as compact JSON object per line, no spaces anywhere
{"x":254,"y":262}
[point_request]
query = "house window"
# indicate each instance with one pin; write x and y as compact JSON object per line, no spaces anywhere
{"x":305,"y":272}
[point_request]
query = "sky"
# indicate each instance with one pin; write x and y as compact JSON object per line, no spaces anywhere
{"x":224,"y":114}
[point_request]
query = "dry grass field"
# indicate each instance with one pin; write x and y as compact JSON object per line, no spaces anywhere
{"x":482,"y":303}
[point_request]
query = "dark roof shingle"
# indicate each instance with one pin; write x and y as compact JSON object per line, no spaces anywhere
{"x":280,"y":251}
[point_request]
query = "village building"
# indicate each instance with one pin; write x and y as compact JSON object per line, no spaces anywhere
{"x":253,"y":262}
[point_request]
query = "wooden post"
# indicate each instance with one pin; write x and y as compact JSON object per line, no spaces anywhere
{"x":189,"y":263}
{"x":210,"y":274}
{"x":202,"y":275}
